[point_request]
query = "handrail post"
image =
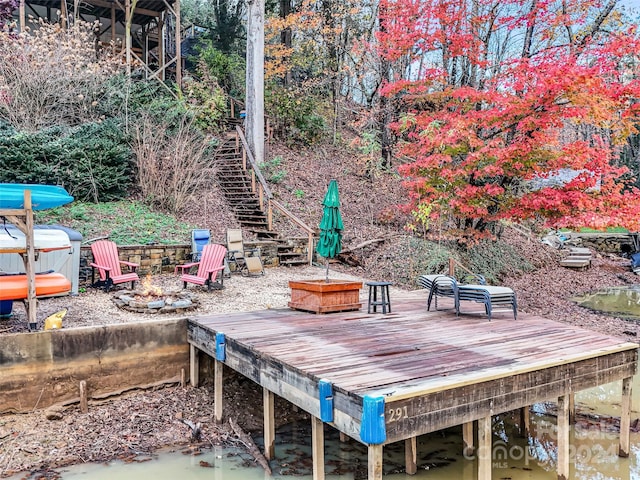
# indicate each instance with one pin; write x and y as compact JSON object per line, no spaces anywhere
{"x":253,"y":182}
{"x":452,"y":266}
{"x":261,"y":197}
{"x":237,"y":141}
{"x":244,"y":160}
{"x":310,"y":250}
{"x":269,"y":215}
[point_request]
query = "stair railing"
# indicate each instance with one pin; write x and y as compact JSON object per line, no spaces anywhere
{"x":259,"y":186}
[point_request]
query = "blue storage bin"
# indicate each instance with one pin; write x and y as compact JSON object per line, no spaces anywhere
{"x":5,"y":308}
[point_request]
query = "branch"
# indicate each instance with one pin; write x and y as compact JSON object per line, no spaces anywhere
{"x":597,"y":23}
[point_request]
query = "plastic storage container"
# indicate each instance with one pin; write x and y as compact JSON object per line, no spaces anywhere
{"x":6,"y":306}
{"x":66,"y":262}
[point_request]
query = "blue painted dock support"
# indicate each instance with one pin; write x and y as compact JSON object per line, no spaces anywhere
{"x":221,"y":347}
{"x":372,"y":427}
{"x":325,"y":388}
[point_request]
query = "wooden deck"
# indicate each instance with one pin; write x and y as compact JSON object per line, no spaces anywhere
{"x":430,"y":370}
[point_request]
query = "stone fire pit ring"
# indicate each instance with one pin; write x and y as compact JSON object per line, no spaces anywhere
{"x":167,"y":302}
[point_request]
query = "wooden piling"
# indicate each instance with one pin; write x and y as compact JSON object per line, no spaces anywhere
{"x":269,"y":424}
{"x":194,"y":365}
{"x":218,"y":369}
{"x":317,"y":447}
{"x":625,"y":417}
{"x":84,"y":404}
{"x":375,"y":462}
{"x":525,"y":422}
{"x":484,"y":448}
{"x":563,"y":437}
{"x":467,"y":439}
{"x":411,"y":455}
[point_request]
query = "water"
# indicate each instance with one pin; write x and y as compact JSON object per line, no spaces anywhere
{"x":619,"y":301}
{"x":594,"y":442}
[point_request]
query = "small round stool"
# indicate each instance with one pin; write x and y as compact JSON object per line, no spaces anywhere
{"x":384,"y":302}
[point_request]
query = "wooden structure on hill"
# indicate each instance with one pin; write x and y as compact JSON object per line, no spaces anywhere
{"x":390,"y":378}
{"x":147,"y":32}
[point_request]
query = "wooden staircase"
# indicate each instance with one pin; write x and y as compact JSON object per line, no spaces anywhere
{"x":238,"y":184}
{"x":292,"y":251}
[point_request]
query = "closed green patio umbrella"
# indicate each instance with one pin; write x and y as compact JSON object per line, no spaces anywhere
{"x":330,"y":243}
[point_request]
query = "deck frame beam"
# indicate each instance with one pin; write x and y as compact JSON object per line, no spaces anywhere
{"x":443,"y":409}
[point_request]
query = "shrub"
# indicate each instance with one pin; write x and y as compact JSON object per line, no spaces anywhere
{"x":98,"y":162}
{"x":228,"y":69}
{"x":52,"y":76}
{"x":126,"y":97}
{"x":7,"y":7}
{"x":495,"y":259}
{"x":273,"y":170}
{"x":92,"y":161}
{"x":205,"y":99}
{"x":293,"y":113}
{"x":173,"y":162}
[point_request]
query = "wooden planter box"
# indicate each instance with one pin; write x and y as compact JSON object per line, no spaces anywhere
{"x":320,"y":296}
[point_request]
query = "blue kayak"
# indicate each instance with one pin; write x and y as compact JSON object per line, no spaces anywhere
{"x":42,"y":196}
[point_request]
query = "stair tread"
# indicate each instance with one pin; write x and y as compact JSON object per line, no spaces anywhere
{"x":294,"y":262}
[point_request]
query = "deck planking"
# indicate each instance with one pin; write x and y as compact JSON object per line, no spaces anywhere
{"x":437,"y":369}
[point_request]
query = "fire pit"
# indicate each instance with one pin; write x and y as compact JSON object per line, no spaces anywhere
{"x":152,"y":299}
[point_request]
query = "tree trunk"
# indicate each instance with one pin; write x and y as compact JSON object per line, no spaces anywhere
{"x":255,"y":79}
{"x":286,"y":37}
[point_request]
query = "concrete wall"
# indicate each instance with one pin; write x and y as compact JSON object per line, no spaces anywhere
{"x":44,"y":368}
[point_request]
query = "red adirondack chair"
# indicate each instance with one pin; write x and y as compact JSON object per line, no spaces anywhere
{"x":210,"y":265}
{"x":109,"y":265}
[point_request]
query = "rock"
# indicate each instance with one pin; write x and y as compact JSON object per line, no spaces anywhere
{"x":182,"y":304}
{"x":54,"y":412}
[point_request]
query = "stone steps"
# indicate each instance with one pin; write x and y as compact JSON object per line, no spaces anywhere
{"x":578,"y":258}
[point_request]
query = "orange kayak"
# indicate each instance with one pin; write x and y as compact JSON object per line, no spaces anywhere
{"x":14,"y":287}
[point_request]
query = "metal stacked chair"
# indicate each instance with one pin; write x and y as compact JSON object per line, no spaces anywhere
{"x":439,"y":286}
{"x":447,"y":286}
{"x":491,"y":296}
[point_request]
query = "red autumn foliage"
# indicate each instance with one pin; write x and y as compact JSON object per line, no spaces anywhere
{"x":515,"y":110}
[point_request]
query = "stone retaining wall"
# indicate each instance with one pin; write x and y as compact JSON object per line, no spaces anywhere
{"x":40,"y":369}
{"x":617,"y":243}
{"x":157,"y":259}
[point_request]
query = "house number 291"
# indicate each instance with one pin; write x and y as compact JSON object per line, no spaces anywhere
{"x":397,"y":414}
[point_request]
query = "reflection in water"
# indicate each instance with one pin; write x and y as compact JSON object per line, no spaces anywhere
{"x":622,"y":301}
